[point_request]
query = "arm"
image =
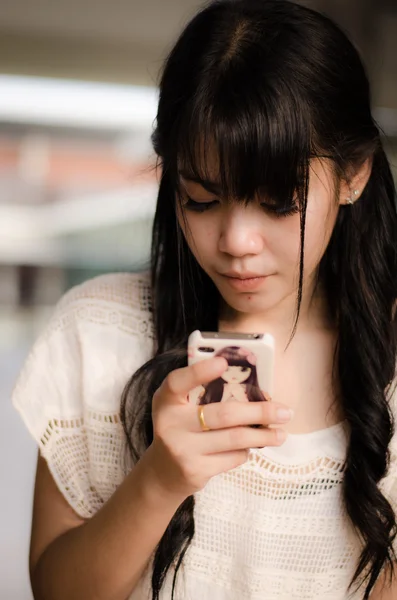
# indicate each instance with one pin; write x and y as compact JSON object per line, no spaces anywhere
{"x":104,"y":557}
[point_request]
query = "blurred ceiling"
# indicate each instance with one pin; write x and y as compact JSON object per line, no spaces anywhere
{"x":149,"y":22}
{"x":125,"y":41}
{"x":122,"y":40}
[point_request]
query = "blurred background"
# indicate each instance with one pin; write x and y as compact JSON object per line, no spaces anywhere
{"x":77,"y":185}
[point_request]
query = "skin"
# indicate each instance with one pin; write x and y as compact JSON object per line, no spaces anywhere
{"x":108,"y":553}
{"x":227,"y":237}
{"x":231,"y":236}
{"x":234,"y":237}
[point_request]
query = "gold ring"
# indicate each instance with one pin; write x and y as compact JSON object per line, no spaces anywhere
{"x":203,"y":424}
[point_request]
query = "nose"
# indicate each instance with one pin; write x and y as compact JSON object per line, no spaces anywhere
{"x":240,"y":233}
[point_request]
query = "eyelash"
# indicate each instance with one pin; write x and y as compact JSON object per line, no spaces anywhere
{"x":201,"y":207}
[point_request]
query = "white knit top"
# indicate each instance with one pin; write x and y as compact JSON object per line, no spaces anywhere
{"x":272,"y":529}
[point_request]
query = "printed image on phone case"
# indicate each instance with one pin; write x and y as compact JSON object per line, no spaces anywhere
{"x":238,"y":383}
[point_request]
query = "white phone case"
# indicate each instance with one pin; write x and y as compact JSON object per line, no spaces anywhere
{"x":251,"y":363}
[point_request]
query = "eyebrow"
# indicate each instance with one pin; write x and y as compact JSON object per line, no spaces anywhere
{"x":211,"y":186}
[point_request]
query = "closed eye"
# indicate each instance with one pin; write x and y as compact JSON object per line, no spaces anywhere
{"x":199,"y":207}
{"x":281,"y":211}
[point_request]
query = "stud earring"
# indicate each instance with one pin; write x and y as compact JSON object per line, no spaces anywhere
{"x":352,"y":200}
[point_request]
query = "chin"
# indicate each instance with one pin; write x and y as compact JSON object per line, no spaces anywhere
{"x":250,"y":303}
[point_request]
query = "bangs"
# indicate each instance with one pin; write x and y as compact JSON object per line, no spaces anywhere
{"x":247,"y":147}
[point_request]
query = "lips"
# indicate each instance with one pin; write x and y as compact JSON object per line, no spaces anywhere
{"x":244,"y":282}
{"x":245,"y":275}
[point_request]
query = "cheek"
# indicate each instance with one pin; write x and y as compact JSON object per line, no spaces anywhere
{"x":322,"y":212}
{"x":319,"y":226}
{"x":201,"y":235}
{"x":283,"y":241}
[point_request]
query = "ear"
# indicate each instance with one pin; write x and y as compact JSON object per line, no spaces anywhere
{"x":351,"y":189}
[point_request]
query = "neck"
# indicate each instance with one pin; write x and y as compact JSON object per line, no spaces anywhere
{"x":280,"y":320}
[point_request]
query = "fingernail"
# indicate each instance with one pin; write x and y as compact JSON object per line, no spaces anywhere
{"x":284,"y":414}
{"x":281,"y":435}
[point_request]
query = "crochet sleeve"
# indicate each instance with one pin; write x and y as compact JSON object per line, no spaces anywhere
{"x":69,"y":389}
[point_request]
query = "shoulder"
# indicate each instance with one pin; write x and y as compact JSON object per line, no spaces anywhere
{"x":118,"y":303}
{"x":118,"y":291}
{"x":108,"y":319}
{"x":69,"y":389}
{"x":131,"y":290}
{"x":99,"y":334}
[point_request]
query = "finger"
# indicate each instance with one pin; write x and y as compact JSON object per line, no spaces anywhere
{"x":180,"y":382}
{"x":239,"y":438}
{"x":223,"y":415}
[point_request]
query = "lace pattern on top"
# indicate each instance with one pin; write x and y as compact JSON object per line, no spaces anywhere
{"x":267,"y":526}
{"x":273,"y":529}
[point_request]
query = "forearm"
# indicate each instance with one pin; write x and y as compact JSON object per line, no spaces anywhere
{"x":105,"y":558}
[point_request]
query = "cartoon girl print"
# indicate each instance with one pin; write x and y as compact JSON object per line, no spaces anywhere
{"x":239,"y":382}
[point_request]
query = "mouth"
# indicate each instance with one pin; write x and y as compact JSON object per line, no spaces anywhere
{"x":242,"y":276}
{"x":243,"y":282}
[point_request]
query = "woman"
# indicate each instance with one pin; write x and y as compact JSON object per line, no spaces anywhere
{"x":275,"y":213}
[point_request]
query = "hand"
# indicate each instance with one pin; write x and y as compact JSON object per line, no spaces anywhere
{"x":182,"y":457}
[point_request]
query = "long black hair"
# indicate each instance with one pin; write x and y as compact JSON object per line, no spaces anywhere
{"x":268,"y":85}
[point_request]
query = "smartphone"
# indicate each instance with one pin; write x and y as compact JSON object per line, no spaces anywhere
{"x":250,"y":357}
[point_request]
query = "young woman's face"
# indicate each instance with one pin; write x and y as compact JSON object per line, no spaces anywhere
{"x":251,"y":254}
{"x":236,"y":374}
